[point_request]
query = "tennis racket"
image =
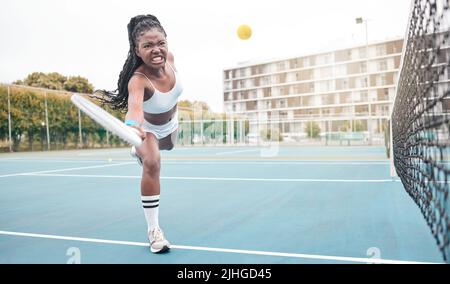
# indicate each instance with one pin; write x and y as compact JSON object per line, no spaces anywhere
{"x":108,"y":121}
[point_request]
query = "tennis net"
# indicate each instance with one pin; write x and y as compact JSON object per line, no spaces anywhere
{"x":421,"y":116}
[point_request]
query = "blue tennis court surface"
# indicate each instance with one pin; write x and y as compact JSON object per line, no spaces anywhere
{"x":218,"y":205}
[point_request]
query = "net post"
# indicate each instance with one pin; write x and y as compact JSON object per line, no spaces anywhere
{"x":393,"y":172}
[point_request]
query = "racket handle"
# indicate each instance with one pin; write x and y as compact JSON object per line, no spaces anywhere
{"x":136,"y":131}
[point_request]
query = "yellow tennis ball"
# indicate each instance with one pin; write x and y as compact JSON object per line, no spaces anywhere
{"x":244,"y":32}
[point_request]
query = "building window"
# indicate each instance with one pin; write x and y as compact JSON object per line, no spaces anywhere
{"x":342,"y":84}
{"x":382,"y":65}
{"x":328,"y":99}
{"x":323,"y":59}
{"x":362,"y":110}
{"x":293,"y":64}
{"x":326,"y":72}
{"x":362,"y":52}
{"x":363,"y":67}
{"x":265,"y":81}
{"x":381,"y":50}
{"x":267,"y":92}
{"x":383,"y":79}
{"x":280,"y":66}
{"x":326,"y":112}
{"x":282,"y":103}
{"x":341,"y":70}
{"x":345,"y":98}
{"x":364,"y":96}
{"x":306,"y":61}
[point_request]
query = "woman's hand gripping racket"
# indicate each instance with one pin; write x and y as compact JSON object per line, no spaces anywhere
{"x":108,"y":121}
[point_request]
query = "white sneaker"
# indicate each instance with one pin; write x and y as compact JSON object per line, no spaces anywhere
{"x":158,"y":244}
{"x":135,"y":155}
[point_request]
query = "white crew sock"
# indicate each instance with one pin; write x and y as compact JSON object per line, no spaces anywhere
{"x":151,"y":210}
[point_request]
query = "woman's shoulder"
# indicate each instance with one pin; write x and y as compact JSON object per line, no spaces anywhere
{"x":137,"y":81}
{"x":171,"y":60}
{"x":170,"y":57}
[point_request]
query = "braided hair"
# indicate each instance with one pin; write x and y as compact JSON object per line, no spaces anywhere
{"x":118,"y":99}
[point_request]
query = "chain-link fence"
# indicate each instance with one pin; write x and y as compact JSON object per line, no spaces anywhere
{"x":35,"y":119}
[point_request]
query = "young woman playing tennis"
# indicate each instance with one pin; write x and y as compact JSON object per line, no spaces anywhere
{"x":149,"y":88}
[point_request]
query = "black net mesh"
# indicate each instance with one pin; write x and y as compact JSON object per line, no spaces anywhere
{"x":421,"y":115}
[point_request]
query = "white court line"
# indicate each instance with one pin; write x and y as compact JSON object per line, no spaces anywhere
{"x":83,"y":176}
{"x":210,"y":249}
{"x":325,"y":163}
{"x":66,"y":169}
{"x":222,"y":178}
{"x":211,"y":162}
{"x":239,"y":151}
{"x":280,"y":179}
{"x":56,"y":160}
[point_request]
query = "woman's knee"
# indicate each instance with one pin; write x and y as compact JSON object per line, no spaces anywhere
{"x":152,"y":164}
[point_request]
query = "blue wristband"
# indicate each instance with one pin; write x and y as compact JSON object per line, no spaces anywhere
{"x":131,"y":122}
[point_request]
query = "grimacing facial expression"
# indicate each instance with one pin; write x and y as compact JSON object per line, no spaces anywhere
{"x":151,"y":47}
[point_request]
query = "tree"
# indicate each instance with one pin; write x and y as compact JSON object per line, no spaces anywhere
{"x":356,"y":125}
{"x":4,"y":114}
{"x":201,"y":106}
{"x":269,"y":134}
{"x":185,"y":104}
{"x":56,"y":81}
{"x":53,"y":81}
{"x":312,"y":129}
{"x":78,"y":84}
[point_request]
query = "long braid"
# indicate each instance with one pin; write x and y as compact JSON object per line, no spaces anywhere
{"x":118,"y":99}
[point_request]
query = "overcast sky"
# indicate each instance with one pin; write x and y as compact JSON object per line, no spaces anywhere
{"x":89,"y":37}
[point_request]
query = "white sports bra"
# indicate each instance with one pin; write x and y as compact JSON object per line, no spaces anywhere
{"x":162,"y":102}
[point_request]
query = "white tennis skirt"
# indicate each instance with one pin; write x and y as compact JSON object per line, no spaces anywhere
{"x":164,"y":130}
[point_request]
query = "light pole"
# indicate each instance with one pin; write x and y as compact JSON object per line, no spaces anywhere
{"x":361,"y":20}
{"x":46,"y":121}
{"x":80,"y":135}
{"x":42,"y":135}
{"x":310,"y":125}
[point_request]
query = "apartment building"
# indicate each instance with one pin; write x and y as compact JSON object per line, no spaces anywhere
{"x":349,"y":90}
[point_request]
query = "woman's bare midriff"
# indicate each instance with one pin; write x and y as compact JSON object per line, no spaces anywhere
{"x":160,"y":118}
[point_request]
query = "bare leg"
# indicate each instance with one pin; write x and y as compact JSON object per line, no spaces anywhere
{"x":151,"y":162}
{"x":150,"y":191}
{"x":168,"y":142}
